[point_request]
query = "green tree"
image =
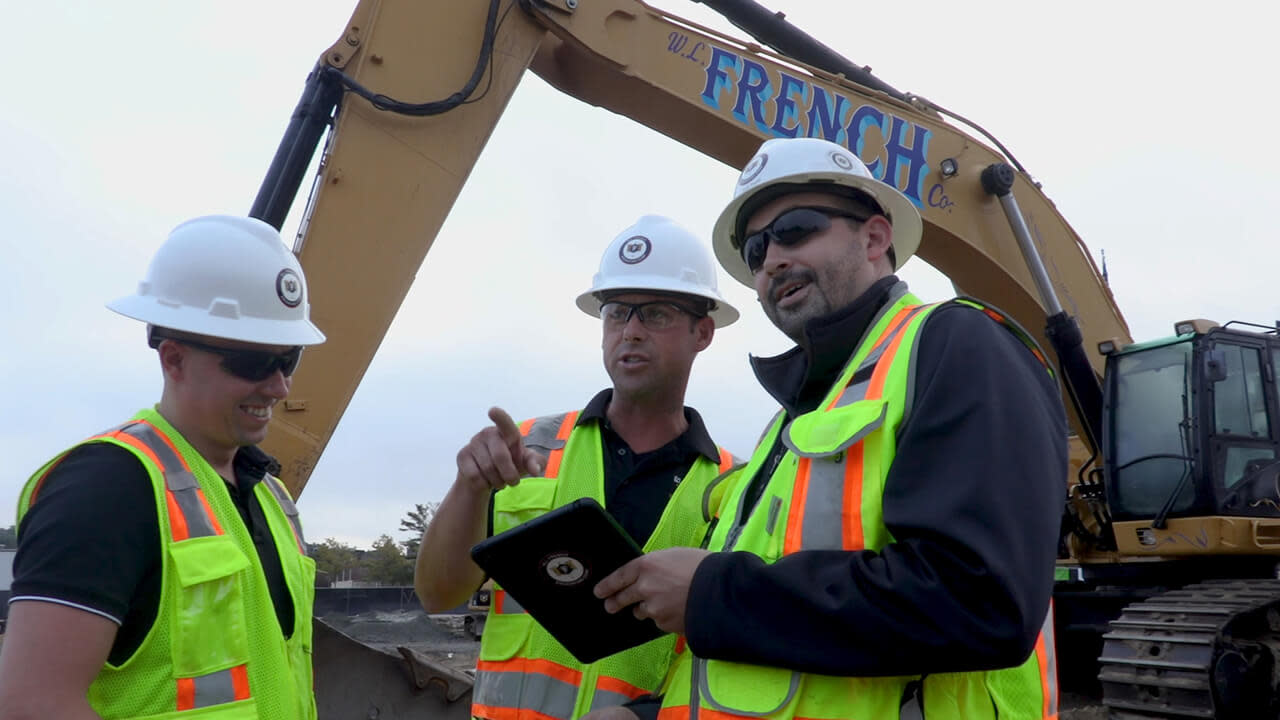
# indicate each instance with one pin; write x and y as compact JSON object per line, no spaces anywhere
{"x":415,"y":523}
{"x":8,"y":536}
{"x":386,"y":564}
{"x":335,"y":558}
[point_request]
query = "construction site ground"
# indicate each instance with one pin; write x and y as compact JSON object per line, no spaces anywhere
{"x":442,"y":638}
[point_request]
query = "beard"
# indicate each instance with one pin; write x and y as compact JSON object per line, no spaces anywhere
{"x":792,"y":319}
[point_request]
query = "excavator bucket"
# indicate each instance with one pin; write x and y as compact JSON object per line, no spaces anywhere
{"x":354,"y":680}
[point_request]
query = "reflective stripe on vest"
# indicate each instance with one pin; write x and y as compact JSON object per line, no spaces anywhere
{"x":504,"y":604}
{"x":1047,"y":658}
{"x":215,"y":688}
{"x":826,"y":499}
{"x":189,"y":512}
{"x":611,"y":692}
{"x":550,"y":434}
{"x":290,"y":510}
{"x":545,"y":689}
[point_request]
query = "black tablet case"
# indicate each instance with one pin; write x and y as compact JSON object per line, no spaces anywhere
{"x":551,"y":564}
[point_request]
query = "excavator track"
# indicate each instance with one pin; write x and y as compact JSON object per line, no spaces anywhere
{"x":1209,"y":650}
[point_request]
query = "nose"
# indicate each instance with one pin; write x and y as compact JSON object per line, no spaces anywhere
{"x":775,"y":259}
{"x":634,"y":328}
{"x":276,"y":386}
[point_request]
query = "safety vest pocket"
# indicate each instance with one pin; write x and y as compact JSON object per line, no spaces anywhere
{"x":505,"y":634}
{"x":742,"y":689}
{"x":822,"y":433}
{"x":962,"y":695}
{"x":513,"y":506}
{"x":209,"y":631}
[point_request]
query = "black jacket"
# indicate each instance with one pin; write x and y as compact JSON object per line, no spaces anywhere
{"x":973,"y":499}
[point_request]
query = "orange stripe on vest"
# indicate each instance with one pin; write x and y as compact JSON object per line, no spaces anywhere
{"x":501,"y":713}
{"x":553,"y":460}
{"x":622,"y":687}
{"x":527,"y":665}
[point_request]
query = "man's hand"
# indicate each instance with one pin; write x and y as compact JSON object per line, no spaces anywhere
{"x":656,"y":583}
{"x":496,"y":456}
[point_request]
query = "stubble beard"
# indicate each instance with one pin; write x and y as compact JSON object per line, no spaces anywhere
{"x":791,"y":321}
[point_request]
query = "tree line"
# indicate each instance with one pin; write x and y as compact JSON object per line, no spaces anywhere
{"x":388,"y":562}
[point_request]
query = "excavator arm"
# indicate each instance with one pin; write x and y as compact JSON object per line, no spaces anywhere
{"x":393,"y":165}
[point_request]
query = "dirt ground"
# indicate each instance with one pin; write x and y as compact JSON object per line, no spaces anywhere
{"x":442,"y":638}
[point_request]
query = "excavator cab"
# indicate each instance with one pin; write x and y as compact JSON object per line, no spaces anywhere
{"x":1190,"y":430}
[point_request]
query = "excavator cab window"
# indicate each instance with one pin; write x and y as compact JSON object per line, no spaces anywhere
{"x":1149,"y":431}
{"x":1243,"y":447}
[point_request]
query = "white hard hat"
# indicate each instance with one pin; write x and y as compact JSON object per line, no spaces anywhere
{"x":226,"y":277}
{"x":782,"y":166}
{"x":657,"y":255}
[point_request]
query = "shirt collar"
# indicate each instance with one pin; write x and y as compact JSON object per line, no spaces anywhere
{"x":799,"y":378}
{"x":696,"y":436}
{"x":251,"y":464}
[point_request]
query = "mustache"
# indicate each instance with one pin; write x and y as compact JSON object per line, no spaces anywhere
{"x":788,"y":277}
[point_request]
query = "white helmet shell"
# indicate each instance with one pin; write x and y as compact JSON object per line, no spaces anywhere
{"x":814,"y":162}
{"x":226,"y":277}
{"x":658,"y":255}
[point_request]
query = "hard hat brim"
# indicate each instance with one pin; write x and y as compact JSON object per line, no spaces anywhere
{"x":243,"y":329}
{"x":903,"y":215}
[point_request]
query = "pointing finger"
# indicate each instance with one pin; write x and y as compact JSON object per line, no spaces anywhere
{"x":507,"y":427}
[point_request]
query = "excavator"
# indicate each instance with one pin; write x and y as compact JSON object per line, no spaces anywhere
{"x":1167,"y":603}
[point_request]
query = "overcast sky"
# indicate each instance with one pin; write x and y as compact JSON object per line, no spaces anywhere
{"x":1148,"y":125}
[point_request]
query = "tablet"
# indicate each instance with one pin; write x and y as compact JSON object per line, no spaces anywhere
{"x":551,"y":564}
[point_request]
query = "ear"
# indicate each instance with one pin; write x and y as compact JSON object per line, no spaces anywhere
{"x":173,"y":359}
{"x":879,"y":237}
{"x":704,"y":330}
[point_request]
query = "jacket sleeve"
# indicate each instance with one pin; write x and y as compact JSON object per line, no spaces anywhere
{"x":973,"y":501}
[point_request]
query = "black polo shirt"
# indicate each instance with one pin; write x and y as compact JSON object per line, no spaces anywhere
{"x":637,"y":486}
{"x":92,"y":540}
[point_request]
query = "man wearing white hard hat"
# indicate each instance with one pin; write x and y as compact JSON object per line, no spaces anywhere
{"x":888,"y":550}
{"x":161,"y":568}
{"x":635,"y":448}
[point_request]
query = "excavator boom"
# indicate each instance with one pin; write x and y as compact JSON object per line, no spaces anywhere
{"x":394,"y":164}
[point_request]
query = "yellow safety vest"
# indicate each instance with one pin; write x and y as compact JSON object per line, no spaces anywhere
{"x":215,"y":650}
{"x":526,"y":674}
{"x":826,"y":494}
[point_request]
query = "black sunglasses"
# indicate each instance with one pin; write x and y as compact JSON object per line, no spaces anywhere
{"x":251,"y":365}
{"x":790,"y":229}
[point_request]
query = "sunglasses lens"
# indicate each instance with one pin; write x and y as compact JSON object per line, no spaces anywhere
{"x":787,"y":230}
{"x":792,"y":227}
{"x":754,"y":249}
{"x":258,"y":366}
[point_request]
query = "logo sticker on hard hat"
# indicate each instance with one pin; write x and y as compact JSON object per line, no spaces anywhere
{"x":842,"y":161}
{"x":289,"y":287}
{"x":634,"y":249}
{"x":564,"y":569}
{"x":753,"y":168}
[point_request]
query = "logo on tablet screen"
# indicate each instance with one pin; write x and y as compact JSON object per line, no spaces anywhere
{"x":564,"y":569}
